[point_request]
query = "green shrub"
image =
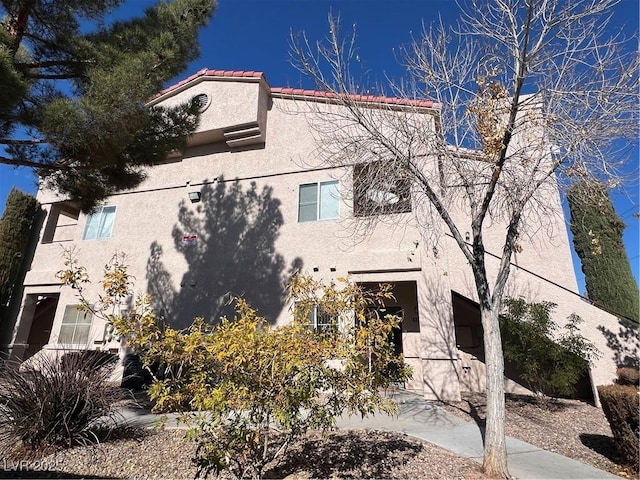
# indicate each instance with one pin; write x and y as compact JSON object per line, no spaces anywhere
{"x":51,"y":402}
{"x":621,"y":404}
{"x":549,"y":367}
{"x":628,"y":376}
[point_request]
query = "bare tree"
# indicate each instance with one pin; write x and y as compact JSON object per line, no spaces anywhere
{"x":525,"y":96}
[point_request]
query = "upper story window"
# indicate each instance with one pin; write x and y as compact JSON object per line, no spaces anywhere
{"x":376,"y":192}
{"x":76,"y":325}
{"x":100,"y":223}
{"x":202,"y":101}
{"x":318,"y":201}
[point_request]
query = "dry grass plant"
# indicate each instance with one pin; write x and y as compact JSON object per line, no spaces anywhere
{"x":56,"y":401}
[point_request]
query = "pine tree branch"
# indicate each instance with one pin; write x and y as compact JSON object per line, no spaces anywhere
{"x":13,"y":141}
{"x":56,"y":47}
{"x":61,"y":76}
{"x":50,"y":63}
{"x":28,"y":163}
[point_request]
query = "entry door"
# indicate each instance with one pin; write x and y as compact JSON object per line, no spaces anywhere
{"x":395,"y":337}
{"x":40,"y":330}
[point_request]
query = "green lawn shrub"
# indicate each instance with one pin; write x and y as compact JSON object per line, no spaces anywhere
{"x":621,"y":405}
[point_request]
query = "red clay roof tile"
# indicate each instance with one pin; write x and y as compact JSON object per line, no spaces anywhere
{"x":212,"y":73}
{"x":300,"y":91}
{"x":357,"y":98}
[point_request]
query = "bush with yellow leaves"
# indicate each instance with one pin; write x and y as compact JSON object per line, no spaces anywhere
{"x":248,"y":388}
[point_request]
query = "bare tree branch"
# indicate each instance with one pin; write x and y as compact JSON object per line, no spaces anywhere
{"x":531,"y":95}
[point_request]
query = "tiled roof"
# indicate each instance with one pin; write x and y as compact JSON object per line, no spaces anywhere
{"x":357,"y":98}
{"x":286,"y":91}
{"x":214,"y":73}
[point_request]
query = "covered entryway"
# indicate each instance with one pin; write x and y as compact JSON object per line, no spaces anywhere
{"x":406,"y":339}
{"x":395,"y":337}
{"x":468,"y":326}
{"x":471,"y":365}
{"x":35,"y":323}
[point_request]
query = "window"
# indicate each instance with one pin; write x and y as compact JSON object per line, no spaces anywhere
{"x":376,"y":192}
{"x":76,"y":325}
{"x":320,"y":322}
{"x":202,"y":101}
{"x":100,"y":223}
{"x":318,"y":201}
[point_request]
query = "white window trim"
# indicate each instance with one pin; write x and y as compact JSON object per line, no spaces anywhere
{"x":318,"y":201}
{"x":99,"y":211}
{"x":73,"y":344}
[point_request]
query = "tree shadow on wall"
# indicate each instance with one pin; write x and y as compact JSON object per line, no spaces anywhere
{"x":624,"y":344}
{"x":228,"y":242}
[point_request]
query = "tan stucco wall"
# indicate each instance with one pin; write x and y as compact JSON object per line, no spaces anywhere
{"x":150,"y":221}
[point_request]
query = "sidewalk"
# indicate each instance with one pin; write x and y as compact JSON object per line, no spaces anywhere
{"x":421,"y":419}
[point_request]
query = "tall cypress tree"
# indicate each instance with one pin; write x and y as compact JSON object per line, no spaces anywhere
{"x":15,"y":227}
{"x":597,"y":238}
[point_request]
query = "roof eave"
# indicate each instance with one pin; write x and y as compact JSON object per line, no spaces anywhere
{"x":206,"y":74}
{"x":368,"y":100}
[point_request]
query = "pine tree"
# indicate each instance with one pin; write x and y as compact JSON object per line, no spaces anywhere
{"x":597,"y":238}
{"x":15,"y":227}
{"x":73,"y":89}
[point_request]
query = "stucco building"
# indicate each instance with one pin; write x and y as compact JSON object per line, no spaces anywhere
{"x":247,"y":204}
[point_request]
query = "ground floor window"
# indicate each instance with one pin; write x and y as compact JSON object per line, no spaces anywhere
{"x":321,"y":322}
{"x":76,"y":325}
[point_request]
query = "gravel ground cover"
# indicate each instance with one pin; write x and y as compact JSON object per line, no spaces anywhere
{"x":568,"y":427}
{"x":571,"y":428}
{"x":166,"y":454}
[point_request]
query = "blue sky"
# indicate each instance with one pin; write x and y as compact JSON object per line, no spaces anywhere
{"x":254,"y":35}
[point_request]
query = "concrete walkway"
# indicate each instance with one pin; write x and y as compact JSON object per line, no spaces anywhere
{"x":426,"y":421}
{"x":421,"y":419}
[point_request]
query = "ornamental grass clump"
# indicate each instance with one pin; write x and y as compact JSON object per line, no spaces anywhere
{"x":56,"y":400}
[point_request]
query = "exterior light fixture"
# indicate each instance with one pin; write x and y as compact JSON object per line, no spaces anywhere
{"x":195,"y":197}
